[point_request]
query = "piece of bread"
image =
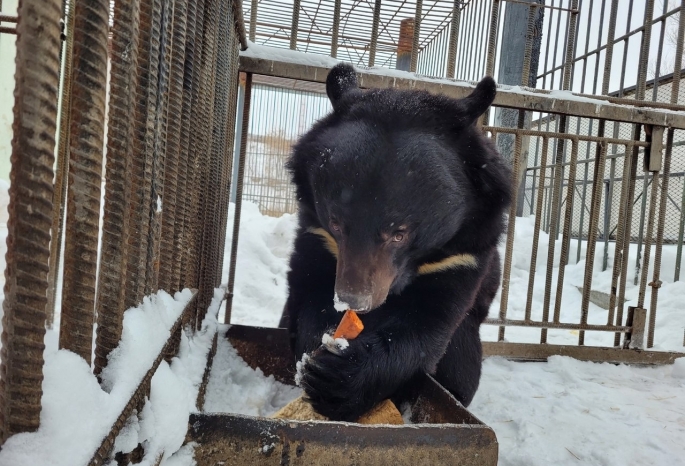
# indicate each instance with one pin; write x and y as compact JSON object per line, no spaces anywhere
{"x":299,"y":409}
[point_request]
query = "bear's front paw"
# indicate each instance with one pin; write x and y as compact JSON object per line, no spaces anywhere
{"x":337,"y":385}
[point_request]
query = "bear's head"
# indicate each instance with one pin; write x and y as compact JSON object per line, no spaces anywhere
{"x":395,"y":177}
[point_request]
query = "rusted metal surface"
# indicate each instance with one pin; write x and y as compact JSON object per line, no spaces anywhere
{"x":239,"y":196}
{"x":295,"y":22}
{"x":202,"y":391}
{"x":539,"y":101}
{"x":115,"y":231}
{"x":156,"y":135}
{"x":598,"y":176}
{"x":239,"y":23}
{"x":418,"y":16}
{"x":454,"y":40}
{"x":212,"y":171}
{"x":61,"y":173}
{"x":30,"y":210}
{"x":102,"y":454}
{"x":266,"y":348}
{"x":169,"y":268}
{"x":197,"y":124}
{"x":655,"y":284}
{"x":227,"y":72}
{"x":141,"y":162}
{"x":184,"y":185}
{"x":536,"y":352}
{"x":86,"y":119}
{"x":241,"y":440}
{"x":443,"y":431}
{"x":374,"y":32}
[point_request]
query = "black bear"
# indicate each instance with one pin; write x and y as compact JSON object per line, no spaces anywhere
{"x":401,"y":203}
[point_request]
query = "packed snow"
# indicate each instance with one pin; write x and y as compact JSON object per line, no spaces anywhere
{"x":560,"y":412}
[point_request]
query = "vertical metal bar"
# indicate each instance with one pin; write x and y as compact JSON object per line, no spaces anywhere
{"x":570,"y":45}
{"x":625,"y":244}
{"x":61,"y":174}
{"x":157,"y":195}
{"x":239,"y":197}
{"x":204,"y":201}
{"x":656,"y":274}
{"x":620,"y":233}
{"x":115,"y":231}
{"x":557,"y":187}
{"x":536,"y":230}
{"x":336,"y":28}
{"x":168,"y":272}
{"x":228,"y":150}
{"x":511,"y":227}
{"x":253,"y":19}
{"x":295,"y":24}
{"x":189,"y":265}
{"x":657,"y":65}
{"x":640,"y":95}
{"x":184,"y":175}
{"x":566,"y":236}
{"x":525,"y":70}
{"x":492,"y":39}
{"x":681,"y":235}
{"x":87,"y":118}
{"x":374,"y":33}
{"x":454,"y":39}
{"x":210,"y":201}
{"x":597,"y":182}
{"x":141,"y":162}
{"x":675,"y":84}
{"x":30,"y":209}
{"x":492,"y":48}
{"x":644,"y":51}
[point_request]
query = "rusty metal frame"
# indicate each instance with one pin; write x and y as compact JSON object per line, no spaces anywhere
{"x":169,"y":350}
{"x":633,"y":326}
{"x":526,"y":99}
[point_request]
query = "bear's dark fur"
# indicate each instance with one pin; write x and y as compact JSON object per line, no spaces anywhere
{"x":401,"y":202}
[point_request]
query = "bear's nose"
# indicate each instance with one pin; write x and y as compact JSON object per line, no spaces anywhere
{"x":358,"y":302}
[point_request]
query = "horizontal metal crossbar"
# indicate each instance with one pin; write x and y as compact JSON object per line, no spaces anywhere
{"x":540,"y":352}
{"x":538,"y":101}
{"x":557,"y":325}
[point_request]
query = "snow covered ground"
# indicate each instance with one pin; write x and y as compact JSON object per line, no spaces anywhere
{"x":563,"y":412}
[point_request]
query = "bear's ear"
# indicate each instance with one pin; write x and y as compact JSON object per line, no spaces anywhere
{"x":476,"y":103}
{"x":341,"y":80}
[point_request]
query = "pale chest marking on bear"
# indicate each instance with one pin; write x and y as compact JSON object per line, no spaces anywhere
{"x":451,"y":262}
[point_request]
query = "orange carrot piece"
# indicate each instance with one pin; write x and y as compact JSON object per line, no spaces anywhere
{"x":349,"y":327}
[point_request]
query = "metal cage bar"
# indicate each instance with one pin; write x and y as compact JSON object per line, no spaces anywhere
{"x":30,"y":209}
{"x":86,"y":120}
{"x":115,"y":232}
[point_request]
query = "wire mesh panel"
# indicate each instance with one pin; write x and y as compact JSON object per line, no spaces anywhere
{"x":281,"y":111}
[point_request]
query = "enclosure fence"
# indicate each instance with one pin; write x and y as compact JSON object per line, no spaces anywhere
{"x":167,"y":129}
{"x":590,"y":97}
{"x":596,"y":152}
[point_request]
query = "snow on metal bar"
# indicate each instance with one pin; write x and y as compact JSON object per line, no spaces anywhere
{"x":291,"y":64}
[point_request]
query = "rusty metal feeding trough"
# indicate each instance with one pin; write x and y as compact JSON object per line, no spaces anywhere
{"x":442,"y":431}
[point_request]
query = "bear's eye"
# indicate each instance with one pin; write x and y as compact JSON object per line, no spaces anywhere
{"x":334,"y":225}
{"x":398,"y":237}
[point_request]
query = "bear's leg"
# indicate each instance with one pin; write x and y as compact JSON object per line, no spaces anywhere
{"x":459,"y":369}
